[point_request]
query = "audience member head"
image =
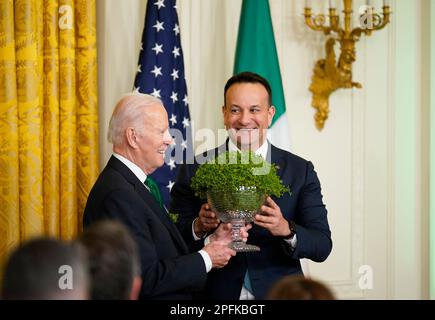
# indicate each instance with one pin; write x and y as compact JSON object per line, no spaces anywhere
{"x":113,"y":261}
{"x":300,"y":288}
{"x":46,"y":269}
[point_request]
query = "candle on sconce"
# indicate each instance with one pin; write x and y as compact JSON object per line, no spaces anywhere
{"x":386,"y":3}
{"x":331,"y":4}
{"x":369,"y":2}
{"x":307,"y":3}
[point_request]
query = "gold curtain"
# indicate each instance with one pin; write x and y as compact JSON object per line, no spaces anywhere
{"x":48,"y":117}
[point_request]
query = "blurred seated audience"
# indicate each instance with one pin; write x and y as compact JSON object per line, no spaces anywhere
{"x":45,"y":269}
{"x":113,"y":261}
{"x":299,"y":288}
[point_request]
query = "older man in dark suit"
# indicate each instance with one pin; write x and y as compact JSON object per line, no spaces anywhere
{"x":139,"y":132}
{"x":289,"y":228}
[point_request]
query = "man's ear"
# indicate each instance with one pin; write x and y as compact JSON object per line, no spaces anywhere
{"x":224,"y":112}
{"x":131,"y":137}
{"x":271,"y":113}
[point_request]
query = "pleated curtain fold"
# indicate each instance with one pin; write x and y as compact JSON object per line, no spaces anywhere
{"x":48,"y":117}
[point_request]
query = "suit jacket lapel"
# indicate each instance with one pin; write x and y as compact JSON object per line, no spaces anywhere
{"x":163,"y":215}
{"x":150,"y":201}
{"x":276,"y":159}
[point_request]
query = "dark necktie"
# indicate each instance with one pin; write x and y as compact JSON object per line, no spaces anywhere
{"x":154,"y":190}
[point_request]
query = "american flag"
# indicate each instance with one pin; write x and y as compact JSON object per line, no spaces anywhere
{"x":160,"y":72}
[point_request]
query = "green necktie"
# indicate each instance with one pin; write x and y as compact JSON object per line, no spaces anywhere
{"x":154,"y":190}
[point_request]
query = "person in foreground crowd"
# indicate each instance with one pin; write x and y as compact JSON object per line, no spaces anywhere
{"x":113,"y":259}
{"x":300,"y":288}
{"x":46,"y":269}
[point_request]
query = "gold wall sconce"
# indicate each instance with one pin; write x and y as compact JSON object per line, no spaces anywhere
{"x":328,"y":74}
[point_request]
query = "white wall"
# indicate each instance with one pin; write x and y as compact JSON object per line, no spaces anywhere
{"x":355,"y":156}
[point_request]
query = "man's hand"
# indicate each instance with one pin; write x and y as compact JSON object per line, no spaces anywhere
{"x":219,"y":253}
{"x":223,"y":233}
{"x":272,"y":219}
{"x":207,"y":221}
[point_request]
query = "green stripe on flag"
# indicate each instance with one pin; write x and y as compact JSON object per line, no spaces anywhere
{"x":256,"y":50}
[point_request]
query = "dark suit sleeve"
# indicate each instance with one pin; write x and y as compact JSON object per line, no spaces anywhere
{"x":312,"y":229}
{"x":172,"y":273}
{"x":184,"y":202}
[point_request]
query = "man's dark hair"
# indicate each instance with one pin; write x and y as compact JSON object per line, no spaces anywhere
{"x":113,"y":259}
{"x":248,"y":77}
{"x":37,"y":270}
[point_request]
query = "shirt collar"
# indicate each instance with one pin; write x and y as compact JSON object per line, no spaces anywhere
{"x":262,"y":151}
{"x":138,"y":172}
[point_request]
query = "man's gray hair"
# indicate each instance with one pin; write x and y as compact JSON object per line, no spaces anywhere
{"x":128,"y":112}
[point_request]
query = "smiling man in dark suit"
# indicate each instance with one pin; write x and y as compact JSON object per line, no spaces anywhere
{"x":289,"y":228}
{"x":139,"y":132}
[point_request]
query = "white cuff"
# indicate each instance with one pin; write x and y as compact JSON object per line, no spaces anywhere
{"x":292,"y":242}
{"x":207,"y":260}
{"x":195,"y":237}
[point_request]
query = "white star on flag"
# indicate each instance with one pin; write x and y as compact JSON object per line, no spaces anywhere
{"x":176,"y":51}
{"x":170,"y":185}
{"x":158,"y":48}
{"x":186,"y":122}
{"x":176,"y":29}
{"x":156,"y":93}
{"x":185,"y":100}
{"x":159,"y":26}
{"x":174,"y":74}
{"x":173,"y":120}
{"x":138,"y":68}
{"x":184,"y":144}
{"x":174,"y":97}
{"x":160,"y":4}
{"x":157,"y":71}
{"x":171,"y":164}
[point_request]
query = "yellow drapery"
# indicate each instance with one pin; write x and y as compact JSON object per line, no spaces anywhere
{"x":48,"y":117}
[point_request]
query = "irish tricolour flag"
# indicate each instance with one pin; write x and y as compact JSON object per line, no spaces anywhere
{"x":256,"y":52}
